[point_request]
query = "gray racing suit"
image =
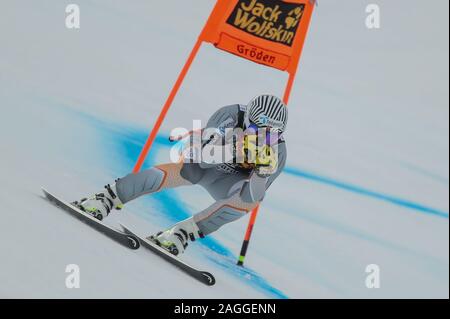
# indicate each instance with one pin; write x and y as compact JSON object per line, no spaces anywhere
{"x":236,"y":190}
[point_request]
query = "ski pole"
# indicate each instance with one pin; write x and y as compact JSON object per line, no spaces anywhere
{"x":183,"y":136}
{"x":248,"y":234}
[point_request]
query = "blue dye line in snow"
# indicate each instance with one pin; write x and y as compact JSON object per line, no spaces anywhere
{"x":365,"y":192}
{"x":425,"y":172}
{"x":163,"y":140}
{"x":129,"y":142}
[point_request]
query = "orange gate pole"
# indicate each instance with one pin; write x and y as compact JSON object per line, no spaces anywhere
{"x":254,"y":214}
{"x":166,"y":107}
{"x":248,"y":235}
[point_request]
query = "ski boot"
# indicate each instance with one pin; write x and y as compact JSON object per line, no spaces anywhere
{"x":100,"y":204}
{"x":175,"y":240}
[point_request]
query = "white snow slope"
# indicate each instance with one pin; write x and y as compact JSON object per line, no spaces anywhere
{"x":367,"y":180}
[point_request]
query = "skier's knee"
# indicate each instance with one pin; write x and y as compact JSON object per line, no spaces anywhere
{"x":135,"y":185}
{"x":252,"y":195}
{"x":222,"y":216}
{"x":192,"y":172}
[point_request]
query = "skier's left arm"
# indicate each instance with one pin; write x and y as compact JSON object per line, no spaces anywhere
{"x":254,"y":190}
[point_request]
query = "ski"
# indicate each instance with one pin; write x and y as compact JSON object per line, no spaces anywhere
{"x":127,"y":240}
{"x":203,"y":276}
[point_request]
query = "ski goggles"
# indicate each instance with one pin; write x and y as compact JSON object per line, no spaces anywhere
{"x":272,"y":136}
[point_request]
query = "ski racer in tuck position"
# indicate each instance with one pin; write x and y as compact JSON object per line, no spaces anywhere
{"x":252,"y":134}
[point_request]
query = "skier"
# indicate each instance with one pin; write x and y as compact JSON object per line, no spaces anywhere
{"x":238,"y":185}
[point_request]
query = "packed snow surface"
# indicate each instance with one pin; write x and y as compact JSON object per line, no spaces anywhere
{"x":367,"y":179}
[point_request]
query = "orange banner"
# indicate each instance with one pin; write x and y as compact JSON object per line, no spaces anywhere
{"x":269,"y":32}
